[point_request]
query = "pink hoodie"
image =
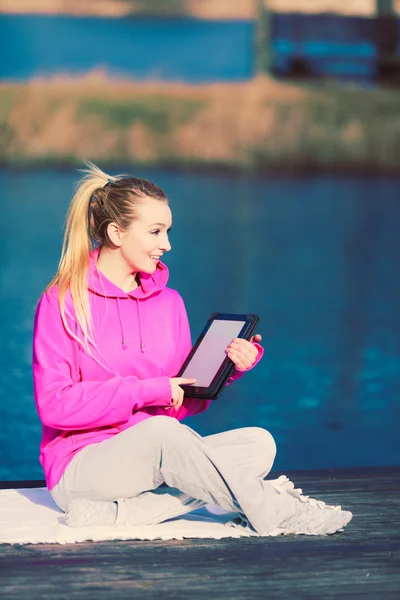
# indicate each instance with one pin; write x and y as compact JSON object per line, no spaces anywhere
{"x":143,"y":337}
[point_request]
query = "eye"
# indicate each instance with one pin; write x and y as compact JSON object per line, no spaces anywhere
{"x":155,"y":232}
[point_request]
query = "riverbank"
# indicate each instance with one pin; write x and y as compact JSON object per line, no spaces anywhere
{"x":203,"y":9}
{"x":259,"y":125}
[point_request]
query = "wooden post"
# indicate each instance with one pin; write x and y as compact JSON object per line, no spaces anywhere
{"x":388,"y":63}
{"x":263,"y":38}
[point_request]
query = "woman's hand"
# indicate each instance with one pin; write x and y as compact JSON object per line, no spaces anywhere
{"x":242,"y":352}
{"x":177,"y":391}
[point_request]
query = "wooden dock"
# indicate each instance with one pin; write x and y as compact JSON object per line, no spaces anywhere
{"x":362,"y":561}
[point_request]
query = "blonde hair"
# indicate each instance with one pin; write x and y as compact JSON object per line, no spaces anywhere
{"x":98,"y":201}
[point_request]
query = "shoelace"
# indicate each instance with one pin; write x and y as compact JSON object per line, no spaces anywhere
{"x":284,"y":484}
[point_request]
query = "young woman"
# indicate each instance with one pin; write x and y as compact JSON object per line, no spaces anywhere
{"x":109,"y":337}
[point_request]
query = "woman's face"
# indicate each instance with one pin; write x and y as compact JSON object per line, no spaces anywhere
{"x":146,"y":239}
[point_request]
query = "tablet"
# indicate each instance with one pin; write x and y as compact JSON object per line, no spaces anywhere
{"x":208,"y":362}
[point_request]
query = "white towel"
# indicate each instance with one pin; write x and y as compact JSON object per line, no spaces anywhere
{"x":30,"y":516}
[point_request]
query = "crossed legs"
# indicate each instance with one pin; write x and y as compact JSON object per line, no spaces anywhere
{"x":160,"y":469}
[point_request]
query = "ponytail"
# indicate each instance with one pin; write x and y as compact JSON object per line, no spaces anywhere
{"x":76,"y":248}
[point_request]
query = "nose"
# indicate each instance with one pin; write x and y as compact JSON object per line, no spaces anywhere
{"x":165,"y":246}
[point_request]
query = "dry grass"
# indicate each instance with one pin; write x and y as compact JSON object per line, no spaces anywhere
{"x":260,"y":124}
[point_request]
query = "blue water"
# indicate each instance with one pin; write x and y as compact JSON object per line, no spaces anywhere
{"x":345,"y":59}
{"x":334,"y":45}
{"x":317,"y":258}
{"x":182,"y":49}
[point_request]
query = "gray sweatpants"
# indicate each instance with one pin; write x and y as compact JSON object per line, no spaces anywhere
{"x":160,"y":469}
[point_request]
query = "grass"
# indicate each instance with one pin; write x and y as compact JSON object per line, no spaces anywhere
{"x":260,"y":125}
{"x":7,"y":102}
{"x":160,"y":114}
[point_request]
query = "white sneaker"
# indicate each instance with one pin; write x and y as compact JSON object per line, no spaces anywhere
{"x":311,"y":517}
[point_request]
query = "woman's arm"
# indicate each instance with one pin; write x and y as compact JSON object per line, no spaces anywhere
{"x":64,"y":402}
{"x":193,"y":406}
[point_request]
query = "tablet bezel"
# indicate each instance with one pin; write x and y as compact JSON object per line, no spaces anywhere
{"x":223,"y":374}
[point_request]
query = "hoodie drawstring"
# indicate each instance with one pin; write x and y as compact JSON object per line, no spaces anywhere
{"x":124,"y":342}
{"x":142,"y":346}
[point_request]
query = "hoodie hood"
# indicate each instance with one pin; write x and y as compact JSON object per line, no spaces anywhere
{"x":150,"y":284}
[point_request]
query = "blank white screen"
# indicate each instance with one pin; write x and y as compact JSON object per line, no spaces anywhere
{"x":211,"y":354}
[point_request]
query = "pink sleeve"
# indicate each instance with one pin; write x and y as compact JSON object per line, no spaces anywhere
{"x":193,"y":406}
{"x":64,"y":402}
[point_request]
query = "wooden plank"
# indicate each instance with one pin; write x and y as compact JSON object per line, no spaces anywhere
{"x":364,"y":560}
{"x":391,"y":473}
{"x":18,"y":484}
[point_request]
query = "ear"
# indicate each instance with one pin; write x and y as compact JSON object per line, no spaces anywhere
{"x":115,"y":234}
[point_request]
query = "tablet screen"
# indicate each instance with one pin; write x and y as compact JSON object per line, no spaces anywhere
{"x":210,"y":355}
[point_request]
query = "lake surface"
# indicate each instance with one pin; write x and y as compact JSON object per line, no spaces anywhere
{"x":316,"y":258}
{"x":184,"y":49}
{"x":165,"y":49}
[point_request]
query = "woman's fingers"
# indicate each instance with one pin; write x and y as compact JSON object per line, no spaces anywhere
{"x":248,"y":348}
{"x":183,"y":381}
{"x":239,"y":360}
{"x":177,"y":402}
{"x":244,"y":347}
{"x":256,"y":338}
{"x":178,"y":393}
{"x":242,"y":353}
